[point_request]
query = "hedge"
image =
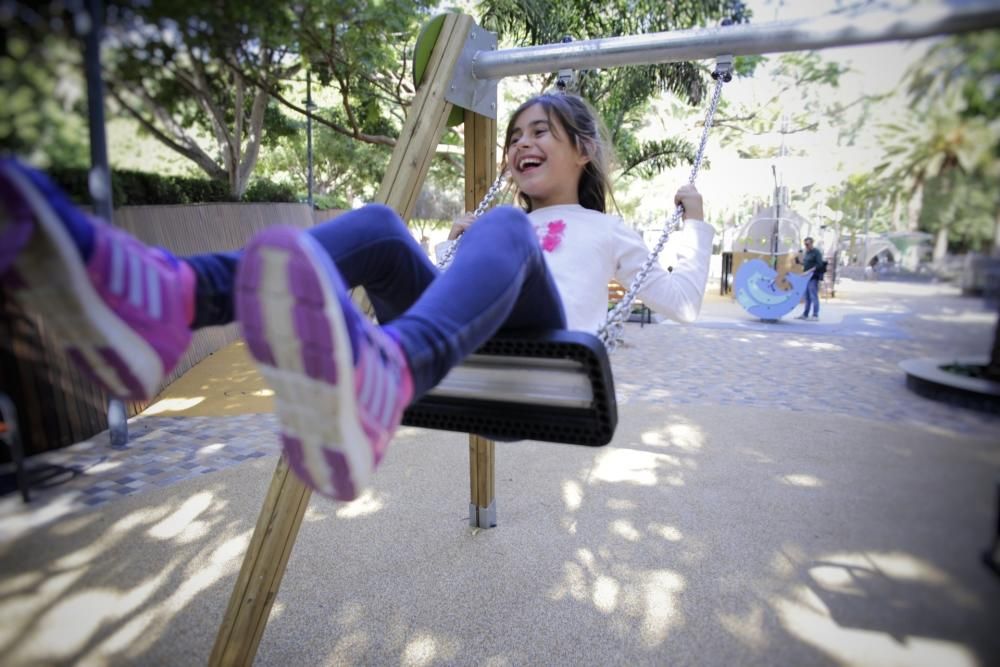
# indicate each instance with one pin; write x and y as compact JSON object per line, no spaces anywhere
{"x":136,"y":188}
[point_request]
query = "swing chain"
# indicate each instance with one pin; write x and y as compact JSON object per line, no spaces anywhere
{"x":612,"y":332}
{"x":488,"y":198}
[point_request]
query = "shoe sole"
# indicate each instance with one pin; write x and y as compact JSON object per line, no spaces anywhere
{"x":51,"y":279}
{"x":294,"y":326}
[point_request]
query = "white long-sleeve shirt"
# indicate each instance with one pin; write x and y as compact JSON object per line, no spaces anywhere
{"x":584,"y":249}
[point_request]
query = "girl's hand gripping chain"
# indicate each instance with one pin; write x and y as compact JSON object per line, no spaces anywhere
{"x":461,"y":224}
{"x":689,"y":199}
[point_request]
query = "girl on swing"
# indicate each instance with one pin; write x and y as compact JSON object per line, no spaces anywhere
{"x":125,"y":311}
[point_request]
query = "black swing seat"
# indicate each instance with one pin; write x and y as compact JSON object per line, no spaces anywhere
{"x":554,"y":386}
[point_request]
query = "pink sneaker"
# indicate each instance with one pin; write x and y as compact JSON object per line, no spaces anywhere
{"x":119,"y":309}
{"x":341,"y":383}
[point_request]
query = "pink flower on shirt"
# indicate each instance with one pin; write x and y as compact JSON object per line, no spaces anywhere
{"x":553,"y":235}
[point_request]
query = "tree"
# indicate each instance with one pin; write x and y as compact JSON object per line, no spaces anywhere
{"x":963,"y":70}
{"x":952,"y":135}
{"x":794,"y":106}
{"x":361,"y":49}
{"x":936,"y":142}
{"x":363,"y":87}
{"x":42,"y":88}
{"x":862,"y":205}
{"x":621,"y":94}
{"x":206,"y":80}
{"x":168,"y":65}
{"x":344,"y":169}
{"x":357,"y":53}
{"x":199,"y":77}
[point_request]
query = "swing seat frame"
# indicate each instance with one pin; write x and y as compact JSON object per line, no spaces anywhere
{"x":555,"y":386}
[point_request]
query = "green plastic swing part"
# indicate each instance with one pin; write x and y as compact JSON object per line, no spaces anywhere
{"x":422,"y":55}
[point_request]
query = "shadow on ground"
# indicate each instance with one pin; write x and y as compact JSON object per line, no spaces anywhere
{"x":701,"y":536}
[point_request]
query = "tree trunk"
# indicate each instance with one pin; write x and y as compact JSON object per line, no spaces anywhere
{"x":996,"y":235}
{"x":993,"y":369}
{"x":941,"y":245}
{"x":914,"y":206}
{"x":897,"y":212}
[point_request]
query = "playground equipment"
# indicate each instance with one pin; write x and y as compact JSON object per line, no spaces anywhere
{"x":756,"y":289}
{"x":554,"y":386}
{"x":464,"y":73}
{"x":763,"y":250}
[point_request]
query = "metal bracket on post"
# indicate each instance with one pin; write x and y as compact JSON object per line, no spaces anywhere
{"x":566,"y":78}
{"x":483,"y":517}
{"x":117,"y":423}
{"x":465,"y":90}
{"x":723,"y":68}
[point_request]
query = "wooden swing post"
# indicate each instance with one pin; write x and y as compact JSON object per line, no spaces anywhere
{"x":480,"y":172}
{"x":287,"y":498}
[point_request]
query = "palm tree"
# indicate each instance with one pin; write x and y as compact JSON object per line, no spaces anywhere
{"x":956,"y":87}
{"x":936,"y":142}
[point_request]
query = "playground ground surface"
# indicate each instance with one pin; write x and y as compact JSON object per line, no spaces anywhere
{"x":774,"y":495}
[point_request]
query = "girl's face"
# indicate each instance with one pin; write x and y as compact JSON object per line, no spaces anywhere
{"x":544,"y":164}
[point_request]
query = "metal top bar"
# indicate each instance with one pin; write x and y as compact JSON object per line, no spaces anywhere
{"x":842,"y":29}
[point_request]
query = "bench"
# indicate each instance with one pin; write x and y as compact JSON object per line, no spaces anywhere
{"x":616,"y":292}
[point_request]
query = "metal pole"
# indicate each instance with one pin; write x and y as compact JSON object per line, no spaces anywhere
{"x":777,"y":220}
{"x":99,"y":182}
{"x":868,"y":218}
{"x":842,"y":29}
{"x":90,"y":24}
{"x":309,"y":135}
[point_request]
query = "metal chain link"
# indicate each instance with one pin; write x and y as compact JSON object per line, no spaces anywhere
{"x":483,"y":205}
{"x":612,"y":332}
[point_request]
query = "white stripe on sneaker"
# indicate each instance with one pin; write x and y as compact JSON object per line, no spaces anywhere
{"x":135,"y":280}
{"x":117,"y":285}
{"x":367,"y":388}
{"x":382,"y":387}
{"x":278,"y":309}
{"x":386,"y":391}
{"x":154,"y":304}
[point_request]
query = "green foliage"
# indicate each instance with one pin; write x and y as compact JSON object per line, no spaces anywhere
{"x":263,"y":190}
{"x":969,"y":64}
{"x":135,"y":188}
{"x":859,"y":196}
{"x":794,"y":107}
{"x":949,"y":144}
{"x":344,"y":169}
{"x":965,"y":205}
{"x":324,"y":202}
{"x":206,"y":79}
{"x":361,"y":51}
{"x":38,"y":116}
{"x":198,"y":77}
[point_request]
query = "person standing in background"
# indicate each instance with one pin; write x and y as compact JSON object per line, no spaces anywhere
{"x":812,"y":260}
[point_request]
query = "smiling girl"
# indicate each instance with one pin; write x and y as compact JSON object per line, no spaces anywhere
{"x":124,"y":311}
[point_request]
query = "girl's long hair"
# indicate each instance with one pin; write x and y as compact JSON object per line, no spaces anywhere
{"x":585,"y":131}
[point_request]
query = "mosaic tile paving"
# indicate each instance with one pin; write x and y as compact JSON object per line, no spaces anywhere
{"x":161,"y":451}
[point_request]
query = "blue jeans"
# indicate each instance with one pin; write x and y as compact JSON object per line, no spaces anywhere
{"x":498,"y":281}
{"x":812,"y":298}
